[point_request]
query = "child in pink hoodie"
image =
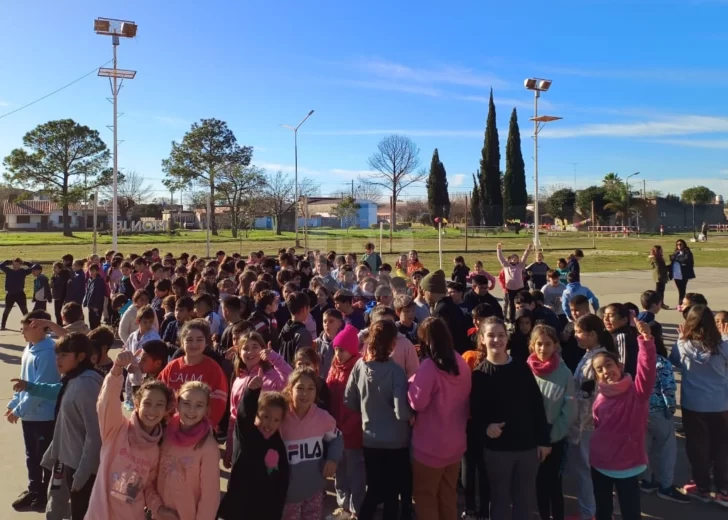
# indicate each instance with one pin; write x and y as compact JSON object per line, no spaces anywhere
{"x":617,"y":454}
{"x":314,"y":446}
{"x":252,"y":359}
{"x":130,"y":447}
{"x":404,"y":353}
{"x":513,"y":269}
{"x":439,"y":393}
{"x":188,"y":480}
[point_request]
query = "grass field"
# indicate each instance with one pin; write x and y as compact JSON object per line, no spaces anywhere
{"x":610,"y":254}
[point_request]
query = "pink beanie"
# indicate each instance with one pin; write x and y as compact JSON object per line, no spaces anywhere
{"x":348,"y":340}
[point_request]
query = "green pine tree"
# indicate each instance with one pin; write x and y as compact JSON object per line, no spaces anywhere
{"x":438,"y":199}
{"x":475,"y":203}
{"x":514,"y":182}
{"x":490,"y":182}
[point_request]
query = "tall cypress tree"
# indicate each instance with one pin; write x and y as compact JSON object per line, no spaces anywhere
{"x":438,"y":199}
{"x":475,"y":203}
{"x":514,"y":182}
{"x":490,"y":182}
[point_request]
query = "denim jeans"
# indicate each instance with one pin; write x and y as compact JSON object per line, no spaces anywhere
{"x":577,"y":463}
{"x":661,"y":449}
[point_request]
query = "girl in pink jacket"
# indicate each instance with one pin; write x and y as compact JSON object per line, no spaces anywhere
{"x":130,"y":447}
{"x":439,"y":393}
{"x":513,"y":269}
{"x":188,"y":480}
{"x":617,"y":451}
{"x":253,"y":359}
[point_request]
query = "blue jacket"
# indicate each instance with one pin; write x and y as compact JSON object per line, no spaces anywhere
{"x":95,"y":292}
{"x":704,"y":383}
{"x":38,"y":365}
{"x":572,"y":290}
{"x":125,"y":287}
{"x":76,"y":287}
{"x":14,"y":278}
{"x":662,"y":400}
{"x":42,"y":289}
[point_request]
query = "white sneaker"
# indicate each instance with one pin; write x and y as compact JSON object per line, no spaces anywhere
{"x":339,"y":514}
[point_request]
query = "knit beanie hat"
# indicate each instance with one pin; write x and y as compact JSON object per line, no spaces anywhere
{"x":348,"y":340}
{"x":434,"y":283}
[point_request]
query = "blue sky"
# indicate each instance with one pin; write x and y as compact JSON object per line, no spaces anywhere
{"x":640,"y":84}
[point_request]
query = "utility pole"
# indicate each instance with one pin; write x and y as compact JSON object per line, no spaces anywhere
{"x":96,"y":206}
{"x":466,"y":223}
{"x":115,"y":29}
{"x":352,"y":188}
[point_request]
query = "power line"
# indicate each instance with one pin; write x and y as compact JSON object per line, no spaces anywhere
{"x":55,"y":91}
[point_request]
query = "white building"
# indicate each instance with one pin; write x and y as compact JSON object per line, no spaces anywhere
{"x":45,"y":215}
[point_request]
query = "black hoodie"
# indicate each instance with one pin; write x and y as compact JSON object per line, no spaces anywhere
{"x":456,"y":321}
{"x":625,"y":339}
{"x":293,"y":337}
{"x":518,"y":342}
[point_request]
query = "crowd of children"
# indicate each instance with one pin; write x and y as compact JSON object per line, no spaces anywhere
{"x":397,"y":383}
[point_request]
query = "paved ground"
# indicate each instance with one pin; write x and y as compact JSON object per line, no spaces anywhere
{"x":609,"y":287}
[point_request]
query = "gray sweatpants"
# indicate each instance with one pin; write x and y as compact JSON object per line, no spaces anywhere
{"x":59,"y":502}
{"x":512,"y":478}
{"x":661,"y":449}
{"x":351,"y":481}
{"x":577,"y":465}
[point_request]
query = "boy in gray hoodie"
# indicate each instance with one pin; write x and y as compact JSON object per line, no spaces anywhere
{"x":377,"y":389}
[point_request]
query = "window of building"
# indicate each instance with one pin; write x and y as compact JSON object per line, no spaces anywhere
{"x":22,"y":219}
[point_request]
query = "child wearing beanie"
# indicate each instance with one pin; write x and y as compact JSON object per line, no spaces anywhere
{"x":350,"y":481}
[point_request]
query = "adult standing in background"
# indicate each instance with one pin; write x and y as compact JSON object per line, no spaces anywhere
{"x":682,"y":269}
{"x":704,"y":231}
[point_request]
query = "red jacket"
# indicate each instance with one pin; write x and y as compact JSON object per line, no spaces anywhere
{"x":347,"y":420}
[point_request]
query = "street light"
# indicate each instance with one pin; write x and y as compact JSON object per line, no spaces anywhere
{"x":295,"y":152}
{"x":538,"y":85}
{"x":115,"y":29}
{"x":629,"y":193}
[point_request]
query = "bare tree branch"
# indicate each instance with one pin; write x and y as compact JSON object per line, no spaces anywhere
{"x":395,"y":162}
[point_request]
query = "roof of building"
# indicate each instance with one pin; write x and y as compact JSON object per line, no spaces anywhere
{"x":35,"y":207}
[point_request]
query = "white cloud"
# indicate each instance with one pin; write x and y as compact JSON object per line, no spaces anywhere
{"x":173,"y":121}
{"x":715,"y":144}
{"x":4,"y":103}
{"x":510,"y":102}
{"x":393,"y":87}
{"x":677,"y":125}
{"x":287,"y":168}
{"x":411,"y":133}
{"x":351,"y":174}
{"x":457,"y":180}
{"x":687,"y":75}
{"x":447,"y":74}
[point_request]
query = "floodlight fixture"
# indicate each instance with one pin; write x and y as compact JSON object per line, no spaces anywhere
{"x":117,"y":73}
{"x":545,"y":119}
{"x":538,"y":84}
{"x":114,"y":27}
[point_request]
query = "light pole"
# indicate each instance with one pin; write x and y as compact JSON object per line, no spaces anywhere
{"x":115,"y":29}
{"x":538,"y":85}
{"x":629,"y":193}
{"x":295,"y":153}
